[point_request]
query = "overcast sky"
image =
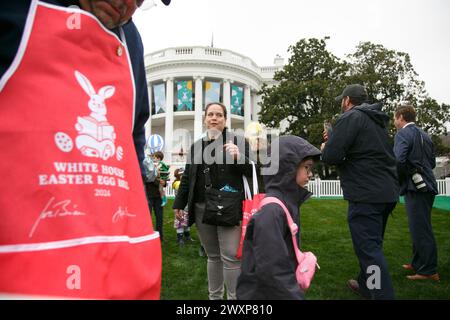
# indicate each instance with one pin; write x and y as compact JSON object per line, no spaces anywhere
{"x":260,"y":29}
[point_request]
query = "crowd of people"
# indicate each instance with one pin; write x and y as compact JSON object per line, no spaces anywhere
{"x":373,"y":174}
{"x":209,"y":190}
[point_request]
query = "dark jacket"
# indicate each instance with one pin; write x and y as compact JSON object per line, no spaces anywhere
{"x":359,"y":146}
{"x":152,"y":189}
{"x":223,"y":171}
{"x":268,"y":258}
{"x":412,"y":155}
{"x":13,"y":16}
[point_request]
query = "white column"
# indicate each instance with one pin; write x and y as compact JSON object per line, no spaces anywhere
{"x":198,"y":123}
{"x":447,"y":187}
{"x":247,"y":106}
{"x":255,"y":106}
{"x":148,"y":124}
{"x":168,"y":136}
{"x":227,"y":100}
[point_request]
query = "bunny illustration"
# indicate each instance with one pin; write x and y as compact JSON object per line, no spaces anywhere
{"x":95,"y":135}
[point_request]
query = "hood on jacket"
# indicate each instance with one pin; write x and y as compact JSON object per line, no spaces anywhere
{"x":292,"y":150}
{"x":375,"y":113}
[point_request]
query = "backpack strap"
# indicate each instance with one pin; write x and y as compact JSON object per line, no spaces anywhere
{"x":247,"y":191}
{"x":292,"y":225}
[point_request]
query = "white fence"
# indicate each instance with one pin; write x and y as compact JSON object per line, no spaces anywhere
{"x":325,"y":188}
{"x":332,"y":188}
{"x":444,"y":187}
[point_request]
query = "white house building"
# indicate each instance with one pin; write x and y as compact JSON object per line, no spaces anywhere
{"x":182,"y":80}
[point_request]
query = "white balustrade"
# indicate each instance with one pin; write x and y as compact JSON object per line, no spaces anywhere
{"x":205,"y":53}
{"x":332,"y":188}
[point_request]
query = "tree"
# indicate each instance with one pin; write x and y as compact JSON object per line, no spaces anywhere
{"x":441,"y":149}
{"x":390,"y":78}
{"x":388,"y":75}
{"x":431,"y":116}
{"x":304,"y":96}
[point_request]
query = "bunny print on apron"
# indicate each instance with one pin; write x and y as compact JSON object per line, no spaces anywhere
{"x":74,"y":218}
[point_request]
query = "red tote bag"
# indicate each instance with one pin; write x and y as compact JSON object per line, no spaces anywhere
{"x":250,"y":205}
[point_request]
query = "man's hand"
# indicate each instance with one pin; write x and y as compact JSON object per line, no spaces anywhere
{"x":233,"y":150}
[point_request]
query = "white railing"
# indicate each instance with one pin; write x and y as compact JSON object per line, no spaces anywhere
{"x":271,"y":69}
{"x":201,"y":53}
{"x":183,"y":51}
{"x":169,"y":190}
{"x":325,"y":188}
{"x":213,"y":52}
{"x":332,"y":188}
{"x":444,"y":187}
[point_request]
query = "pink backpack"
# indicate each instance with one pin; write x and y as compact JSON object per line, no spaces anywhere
{"x":307,"y":261}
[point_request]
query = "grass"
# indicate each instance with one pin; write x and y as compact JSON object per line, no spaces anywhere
{"x":324,"y":232}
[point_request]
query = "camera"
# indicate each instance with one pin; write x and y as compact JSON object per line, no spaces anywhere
{"x":419,"y":183}
{"x":327,"y":128}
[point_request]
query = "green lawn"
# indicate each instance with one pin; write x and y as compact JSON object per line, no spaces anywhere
{"x":325,"y":232}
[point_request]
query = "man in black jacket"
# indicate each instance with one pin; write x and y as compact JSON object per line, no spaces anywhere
{"x":359,"y":146}
{"x":414,"y":151}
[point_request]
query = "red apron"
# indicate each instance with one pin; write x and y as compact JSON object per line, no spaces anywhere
{"x":74,"y":220}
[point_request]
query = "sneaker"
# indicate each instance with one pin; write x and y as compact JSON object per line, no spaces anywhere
{"x":408,"y":267}
{"x":187,"y":237}
{"x":164,"y":201}
{"x":180,"y":239}
{"x":354,"y":286}
{"x":434,"y":277}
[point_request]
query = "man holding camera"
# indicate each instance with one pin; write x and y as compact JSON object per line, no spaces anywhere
{"x":414,"y":151}
{"x":359,"y":145}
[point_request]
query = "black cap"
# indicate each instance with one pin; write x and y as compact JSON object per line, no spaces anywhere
{"x":166,"y":2}
{"x":353,"y":91}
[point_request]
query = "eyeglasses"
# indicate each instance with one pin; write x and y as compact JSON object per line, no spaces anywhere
{"x":309,"y":168}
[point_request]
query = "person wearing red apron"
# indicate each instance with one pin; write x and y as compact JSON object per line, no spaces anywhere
{"x":74,"y":220}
